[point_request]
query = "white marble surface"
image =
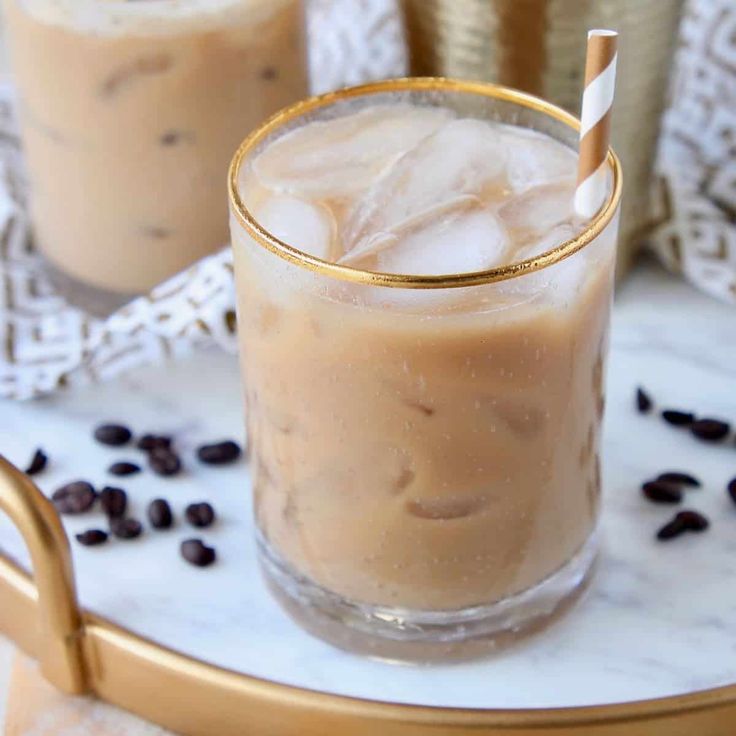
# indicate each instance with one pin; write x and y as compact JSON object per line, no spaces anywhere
{"x":660,"y":619}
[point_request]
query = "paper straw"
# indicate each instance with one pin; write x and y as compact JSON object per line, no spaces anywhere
{"x":595,"y":130}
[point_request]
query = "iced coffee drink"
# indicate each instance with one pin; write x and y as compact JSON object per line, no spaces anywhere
{"x":423,"y":323}
{"x":130,"y":112}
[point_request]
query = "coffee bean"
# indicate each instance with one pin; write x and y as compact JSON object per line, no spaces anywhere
{"x":124,"y":468}
{"x":693,"y":521}
{"x":731,"y":488}
{"x":163,"y":461}
{"x":126,"y":528}
{"x":74,"y":498}
{"x":219,"y":453}
{"x":662,"y":491}
{"x":710,"y":430}
{"x":671,"y":529}
{"x":678,"y":418}
{"x":38,"y":462}
{"x":197,"y":553}
{"x":92,"y":537}
{"x":113,"y":435}
{"x":200,"y":514}
{"x":114,"y":502}
{"x":683,"y":479}
{"x":153,"y":442}
{"x":159,"y":514}
{"x":231,"y":321}
{"x":644,"y":402}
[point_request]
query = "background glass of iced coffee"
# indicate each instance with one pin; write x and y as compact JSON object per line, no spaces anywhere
{"x":130,"y":112}
{"x":425,"y":447}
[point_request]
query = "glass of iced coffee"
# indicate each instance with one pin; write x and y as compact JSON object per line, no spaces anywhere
{"x":130,"y":112}
{"x":423,"y":324}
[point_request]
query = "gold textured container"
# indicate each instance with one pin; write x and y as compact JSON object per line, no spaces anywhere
{"x":539,"y":46}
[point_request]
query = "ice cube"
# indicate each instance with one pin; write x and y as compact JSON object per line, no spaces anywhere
{"x":332,"y":158}
{"x":459,"y":243}
{"x":535,"y":159}
{"x":305,"y":226}
{"x":567,"y":277}
{"x":560,"y":282}
{"x":539,"y":209}
{"x":547,"y":241}
{"x":538,"y":285}
{"x":463,"y":158}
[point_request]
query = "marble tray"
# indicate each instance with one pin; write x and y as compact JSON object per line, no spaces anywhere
{"x":659,"y":619}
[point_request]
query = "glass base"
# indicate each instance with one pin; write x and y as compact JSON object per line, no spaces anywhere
{"x":91,"y":299}
{"x":401,"y":634}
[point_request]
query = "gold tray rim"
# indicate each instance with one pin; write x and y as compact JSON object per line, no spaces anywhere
{"x":87,"y":653}
{"x":16,"y":582}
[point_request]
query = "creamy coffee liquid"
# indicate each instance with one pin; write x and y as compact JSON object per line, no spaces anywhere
{"x":431,"y":449}
{"x":130,"y":113}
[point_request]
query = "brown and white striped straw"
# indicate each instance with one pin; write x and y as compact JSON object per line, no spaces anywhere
{"x":595,"y":118}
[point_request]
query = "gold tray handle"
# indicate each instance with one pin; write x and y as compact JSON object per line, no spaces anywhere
{"x":60,"y":623}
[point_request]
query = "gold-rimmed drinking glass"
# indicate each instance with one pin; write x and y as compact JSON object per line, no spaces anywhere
{"x":426,"y":470}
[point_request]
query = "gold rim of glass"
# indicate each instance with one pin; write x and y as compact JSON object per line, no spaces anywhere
{"x":409,"y":281}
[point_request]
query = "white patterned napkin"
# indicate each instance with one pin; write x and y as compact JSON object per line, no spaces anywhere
{"x":695,"y":189}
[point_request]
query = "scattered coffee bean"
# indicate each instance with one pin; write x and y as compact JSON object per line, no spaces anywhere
{"x":150,"y":442}
{"x":124,"y":468}
{"x":164,"y":462}
{"x":711,"y":430}
{"x":662,"y":491}
{"x":683,"y":479}
{"x":731,"y":488}
{"x":92,"y":537}
{"x":38,"y":462}
{"x":74,"y":498}
{"x":159,"y":514}
{"x":126,"y":528}
{"x":678,"y":418}
{"x":219,"y":453}
{"x":231,"y":321}
{"x":114,"y":502}
{"x":113,"y":435}
{"x":195,"y":552}
{"x":200,"y":514}
{"x":644,"y":402}
{"x":693,"y":521}
{"x":671,"y":529}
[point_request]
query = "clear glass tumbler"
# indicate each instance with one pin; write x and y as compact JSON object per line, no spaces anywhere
{"x":130,"y":112}
{"x":425,"y":449}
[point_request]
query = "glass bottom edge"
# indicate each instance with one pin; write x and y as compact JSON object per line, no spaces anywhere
{"x":407,"y":635}
{"x":93,"y":300}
